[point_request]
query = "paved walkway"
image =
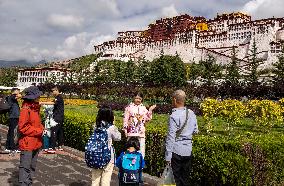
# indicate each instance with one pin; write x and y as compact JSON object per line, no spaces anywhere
{"x":52,"y":169}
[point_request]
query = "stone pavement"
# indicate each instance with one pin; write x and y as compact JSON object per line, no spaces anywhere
{"x":63,"y":168}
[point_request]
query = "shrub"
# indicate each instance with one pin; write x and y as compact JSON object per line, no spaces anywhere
{"x":266,"y":113}
{"x":217,"y":160}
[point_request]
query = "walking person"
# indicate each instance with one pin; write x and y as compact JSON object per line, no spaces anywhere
{"x":182,"y":126}
{"x":31,"y":130}
{"x":130,"y":164}
{"x":14,"y":113}
{"x":57,"y":133}
{"x":135,"y":117}
{"x":105,"y":133}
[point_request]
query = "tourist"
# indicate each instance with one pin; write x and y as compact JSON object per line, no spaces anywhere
{"x":135,"y":117}
{"x":130,"y":164}
{"x":48,"y":123}
{"x":105,"y":119}
{"x":14,"y":113}
{"x":31,"y":130}
{"x":182,"y":125}
{"x":57,"y":133}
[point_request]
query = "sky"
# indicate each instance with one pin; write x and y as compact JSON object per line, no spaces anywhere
{"x":53,"y":30}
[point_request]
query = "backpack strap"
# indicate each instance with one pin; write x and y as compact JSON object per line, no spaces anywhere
{"x":182,"y":128}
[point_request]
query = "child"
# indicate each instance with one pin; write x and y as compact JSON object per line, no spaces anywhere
{"x":105,"y":120}
{"x":136,"y":116}
{"x":130,"y":164}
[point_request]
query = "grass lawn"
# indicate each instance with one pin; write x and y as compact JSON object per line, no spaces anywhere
{"x":230,"y":155}
{"x":220,"y":127}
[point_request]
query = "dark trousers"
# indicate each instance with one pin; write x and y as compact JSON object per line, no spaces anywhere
{"x":27,"y":167}
{"x":10,"y":143}
{"x":181,"y":166}
{"x":56,"y":136}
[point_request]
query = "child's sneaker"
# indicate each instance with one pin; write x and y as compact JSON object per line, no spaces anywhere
{"x":51,"y":151}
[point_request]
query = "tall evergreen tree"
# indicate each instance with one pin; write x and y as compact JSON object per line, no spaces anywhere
{"x":253,"y":64}
{"x":168,"y":70}
{"x":211,"y":71}
{"x":233,"y":69}
{"x":279,"y":68}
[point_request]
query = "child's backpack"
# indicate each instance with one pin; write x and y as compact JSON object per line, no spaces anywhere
{"x":131,"y":168}
{"x":4,"y":104}
{"x":97,"y":153}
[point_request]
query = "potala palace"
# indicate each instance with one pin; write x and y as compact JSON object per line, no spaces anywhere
{"x":194,"y":38}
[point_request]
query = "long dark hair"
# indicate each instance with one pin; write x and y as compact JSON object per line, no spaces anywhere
{"x":105,"y":114}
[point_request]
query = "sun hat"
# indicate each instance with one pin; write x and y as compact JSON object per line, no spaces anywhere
{"x":32,"y":92}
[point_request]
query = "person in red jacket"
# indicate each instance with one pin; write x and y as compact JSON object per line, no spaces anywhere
{"x":31,"y":130}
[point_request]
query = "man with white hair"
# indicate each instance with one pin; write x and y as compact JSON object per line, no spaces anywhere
{"x":182,"y":126}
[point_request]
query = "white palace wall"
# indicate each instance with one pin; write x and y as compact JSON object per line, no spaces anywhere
{"x":193,"y":46}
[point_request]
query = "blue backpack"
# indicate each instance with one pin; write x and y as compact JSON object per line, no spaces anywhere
{"x":131,"y":168}
{"x":97,"y":153}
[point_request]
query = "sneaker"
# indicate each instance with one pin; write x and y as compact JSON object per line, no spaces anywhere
{"x":60,"y":148}
{"x":17,"y":151}
{"x":7,"y":150}
{"x":51,"y":151}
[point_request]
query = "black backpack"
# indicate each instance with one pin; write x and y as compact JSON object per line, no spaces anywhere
{"x":4,"y":104}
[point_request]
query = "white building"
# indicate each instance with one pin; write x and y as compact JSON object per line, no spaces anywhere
{"x":31,"y":76}
{"x":193,"y":38}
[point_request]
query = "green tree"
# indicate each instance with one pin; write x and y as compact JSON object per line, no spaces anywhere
{"x":252,"y":66}
{"x":168,"y":70}
{"x":142,"y":71}
{"x":80,"y":68}
{"x":194,"y":70}
{"x":279,"y":68}
{"x":233,"y":69}
{"x":8,"y":76}
{"x":210,"y":70}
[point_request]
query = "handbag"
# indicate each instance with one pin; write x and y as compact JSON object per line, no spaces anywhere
{"x":167,"y":177}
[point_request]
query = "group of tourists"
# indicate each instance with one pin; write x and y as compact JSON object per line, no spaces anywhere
{"x":26,"y":132}
{"x":100,"y":153}
{"x":182,"y":126}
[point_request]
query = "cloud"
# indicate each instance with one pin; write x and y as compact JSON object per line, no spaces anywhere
{"x":169,"y":11}
{"x":65,"y":21}
{"x":43,"y":29}
{"x":264,"y":8}
{"x":79,"y":44}
{"x":252,"y":6}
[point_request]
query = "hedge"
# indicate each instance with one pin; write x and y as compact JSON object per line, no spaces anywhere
{"x":244,"y":159}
